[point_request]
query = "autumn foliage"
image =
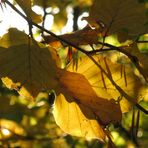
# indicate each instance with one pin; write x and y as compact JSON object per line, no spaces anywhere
{"x":99,"y":82}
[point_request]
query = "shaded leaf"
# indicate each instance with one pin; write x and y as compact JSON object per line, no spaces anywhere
{"x":141,"y":58}
{"x":82,"y":37}
{"x":119,"y":16}
{"x":51,"y":3}
{"x":13,"y":38}
{"x":28,"y":68}
{"x":9,"y":111}
{"x":77,"y":87}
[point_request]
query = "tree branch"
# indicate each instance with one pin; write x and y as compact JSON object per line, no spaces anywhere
{"x":43,"y":29}
{"x":129,"y":98}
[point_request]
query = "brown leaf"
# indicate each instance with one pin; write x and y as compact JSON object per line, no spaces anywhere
{"x":75,"y":86}
{"x":82,"y":37}
{"x":119,"y":16}
{"x":122,"y":75}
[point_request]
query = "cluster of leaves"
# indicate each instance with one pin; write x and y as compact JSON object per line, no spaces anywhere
{"x":96,"y":87}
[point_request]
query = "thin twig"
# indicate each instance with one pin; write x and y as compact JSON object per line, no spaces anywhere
{"x":121,"y":91}
{"x":129,"y":98}
{"x":133,"y":58}
{"x":141,"y":42}
{"x":43,"y":29}
{"x":128,"y":135}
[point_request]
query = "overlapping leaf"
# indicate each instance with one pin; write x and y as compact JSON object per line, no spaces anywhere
{"x":118,"y":16}
{"x":76,"y":86}
{"x":27,"y":67}
{"x":79,"y":111}
{"x":122,"y":75}
{"x":69,"y":116}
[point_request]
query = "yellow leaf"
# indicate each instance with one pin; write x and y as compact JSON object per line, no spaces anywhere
{"x":72,"y":120}
{"x":117,"y":15}
{"x":12,"y":126}
{"x":28,"y":68}
{"x":122,"y":75}
{"x":26,"y":6}
{"x":13,"y":38}
{"x":77,"y":87}
{"x":60,"y":20}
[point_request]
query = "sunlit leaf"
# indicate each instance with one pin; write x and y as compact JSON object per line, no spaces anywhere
{"x":122,"y":75}
{"x":76,"y":86}
{"x":60,"y":20}
{"x":71,"y":119}
{"x":84,"y":2}
{"x":119,"y":16}
{"x":12,"y":127}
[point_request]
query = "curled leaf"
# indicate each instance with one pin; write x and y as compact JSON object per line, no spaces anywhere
{"x":70,"y":118}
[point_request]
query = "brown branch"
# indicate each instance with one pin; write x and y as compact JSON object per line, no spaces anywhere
{"x":133,"y":58}
{"x":141,"y":41}
{"x":43,"y":29}
{"x":120,"y":90}
{"x":129,"y":98}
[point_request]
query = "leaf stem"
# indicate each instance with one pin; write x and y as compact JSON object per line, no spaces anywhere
{"x":88,"y":53}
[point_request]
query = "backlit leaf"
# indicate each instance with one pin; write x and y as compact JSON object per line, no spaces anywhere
{"x":28,"y":68}
{"x":71,"y":119}
{"x":119,"y":16}
{"x":60,"y":20}
{"x":77,"y":87}
{"x":13,"y":38}
{"x":122,"y":75}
